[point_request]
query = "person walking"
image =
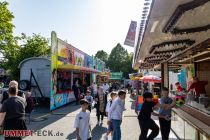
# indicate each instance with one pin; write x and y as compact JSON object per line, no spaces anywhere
{"x":165,"y":114}
{"x":12,"y":112}
{"x":89,"y":98}
{"x":145,"y":120}
{"x":82,"y":122}
{"x":108,"y":106}
{"x":144,"y":116}
{"x":101,"y":101}
{"x":5,"y":94}
{"x":76,"y":91}
{"x":115,"y":114}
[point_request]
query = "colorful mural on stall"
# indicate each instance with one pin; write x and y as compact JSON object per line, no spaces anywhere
{"x":66,"y":57}
{"x":182,"y":76}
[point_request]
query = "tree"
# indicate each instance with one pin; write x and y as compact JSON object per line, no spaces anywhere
{"x":117,"y":58}
{"x":6,"y":30}
{"x":32,"y":47}
{"x":120,"y":61}
{"x":102,"y":55}
{"x":127,"y":69}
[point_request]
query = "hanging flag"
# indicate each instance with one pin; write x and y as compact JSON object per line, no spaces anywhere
{"x":130,"y":38}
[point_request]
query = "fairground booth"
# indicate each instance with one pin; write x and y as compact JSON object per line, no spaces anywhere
{"x":102,"y":77}
{"x":69,"y":66}
{"x":174,"y":36}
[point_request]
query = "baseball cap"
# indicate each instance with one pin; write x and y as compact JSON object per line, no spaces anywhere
{"x":147,"y":95}
{"x":83,"y":101}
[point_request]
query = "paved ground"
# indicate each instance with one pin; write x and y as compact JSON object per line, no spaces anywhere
{"x":61,"y":121}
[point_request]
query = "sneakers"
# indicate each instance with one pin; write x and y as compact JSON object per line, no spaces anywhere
{"x":105,"y":137}
{"x":98,"y":123}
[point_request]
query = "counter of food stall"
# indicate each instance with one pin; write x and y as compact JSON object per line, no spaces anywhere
{"x":191,"y":121}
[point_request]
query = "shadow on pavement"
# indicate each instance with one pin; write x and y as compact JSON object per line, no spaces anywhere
{"x":98,"y":131}
{"x":133,"y":104}
{"x":46,"y":117}
{"x":169,"y":139}
{"x":71,"y":136}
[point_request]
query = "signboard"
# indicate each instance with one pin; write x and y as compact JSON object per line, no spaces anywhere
{"x":131,"y":35}
{"x":116,"y":76}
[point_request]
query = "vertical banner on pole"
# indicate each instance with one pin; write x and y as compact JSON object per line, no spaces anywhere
{"x":131,"y":35}
{"x":54,"y":51}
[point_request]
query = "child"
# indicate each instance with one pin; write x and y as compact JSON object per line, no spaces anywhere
{"x":30,"y":103}
{"x":82,"y":122}
{"x":89,"y":98}
{"x":110,"y":127}
{"x":165,"y":114}
{"x":144,"y":117}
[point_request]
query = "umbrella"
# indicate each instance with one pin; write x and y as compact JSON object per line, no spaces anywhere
{"x":151,"y":78}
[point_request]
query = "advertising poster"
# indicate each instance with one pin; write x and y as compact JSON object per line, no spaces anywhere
{"x":65,"y":53}
{"x":79,"y":58}
{"x":53,"y":70}
{"x":61,"y":54}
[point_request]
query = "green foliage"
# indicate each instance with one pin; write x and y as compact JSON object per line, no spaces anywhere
{"x":120,"y":61}
{"x":32,"y":47}
{"x":102,"y":55}
{"x":117,"y":58}
{"x":6,"y":27}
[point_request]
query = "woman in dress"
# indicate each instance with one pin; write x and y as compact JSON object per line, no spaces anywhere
{"x":101,"y":101}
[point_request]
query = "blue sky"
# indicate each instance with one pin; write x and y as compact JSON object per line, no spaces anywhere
{"x":89,"y":25}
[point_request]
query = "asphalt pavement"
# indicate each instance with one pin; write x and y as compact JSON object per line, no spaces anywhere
{"x":58,"y":125}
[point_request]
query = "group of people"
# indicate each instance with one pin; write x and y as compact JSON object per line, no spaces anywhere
{"x":197,"y":86}
{"x":13,"y":109}
{"x":164,"y":115}
{"x":112,"y":108}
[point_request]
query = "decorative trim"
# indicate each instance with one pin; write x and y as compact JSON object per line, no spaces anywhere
{"x":170,"y":25}
{"x":187,"y":41}
{"x":196,"y":48}
{"x":190,"y":30}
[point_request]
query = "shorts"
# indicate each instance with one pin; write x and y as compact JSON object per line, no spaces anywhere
{"x":110,"y":127}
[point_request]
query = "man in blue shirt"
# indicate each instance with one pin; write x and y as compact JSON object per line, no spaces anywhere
{"x":165,"y":114}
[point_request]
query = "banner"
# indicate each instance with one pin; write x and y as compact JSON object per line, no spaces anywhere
{"x":79,"y":59}
{"x":131,"y":35}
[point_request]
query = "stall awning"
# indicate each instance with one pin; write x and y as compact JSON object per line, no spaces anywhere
{"x":73,"y":67}
{"x":169,"y":28}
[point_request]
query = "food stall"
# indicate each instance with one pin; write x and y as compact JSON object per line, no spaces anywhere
{"x":179,"y":41}
{"x":69,"y":66}
{"x":50,"y":79}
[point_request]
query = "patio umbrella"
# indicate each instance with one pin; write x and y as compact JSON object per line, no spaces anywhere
{"x":151,"y":78}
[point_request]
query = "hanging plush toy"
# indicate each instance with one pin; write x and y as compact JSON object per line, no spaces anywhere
{"x":180,"y":100}
{"x":139,"y":103}
{"x":155,"y":99}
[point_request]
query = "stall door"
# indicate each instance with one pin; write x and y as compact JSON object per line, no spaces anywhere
{"x":44,"y":79}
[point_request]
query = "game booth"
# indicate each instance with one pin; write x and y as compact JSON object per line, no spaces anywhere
{"x":102,"y":77}
{"x":70,"y":66}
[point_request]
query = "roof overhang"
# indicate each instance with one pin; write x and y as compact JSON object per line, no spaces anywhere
{"x":173,"y":27}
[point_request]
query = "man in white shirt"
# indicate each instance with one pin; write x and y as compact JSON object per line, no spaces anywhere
{"x":105,"y":87}
{"x":115,"y":114}
{"x":95,"y":90}
{"x":82,"y":122}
